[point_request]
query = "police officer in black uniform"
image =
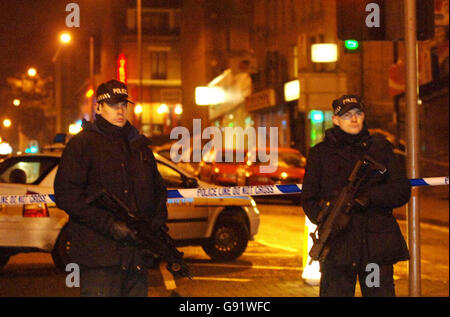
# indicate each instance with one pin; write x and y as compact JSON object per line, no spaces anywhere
{"x":372,"y":242}
{"x":109,"y":153}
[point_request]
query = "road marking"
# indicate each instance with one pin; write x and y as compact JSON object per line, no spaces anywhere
{"x":169,"y":282}
{"x":276,"y":246}
{"x":221,"y":279}
{"x":257,"y":267}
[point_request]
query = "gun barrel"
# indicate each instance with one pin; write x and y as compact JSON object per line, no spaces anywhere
{"x":156,"y":242}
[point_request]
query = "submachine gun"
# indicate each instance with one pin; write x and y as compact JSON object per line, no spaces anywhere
{"x":154,"y":242}
{"x":334,"y":216}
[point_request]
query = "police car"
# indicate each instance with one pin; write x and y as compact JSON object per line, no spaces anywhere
{"x":221,"y":225}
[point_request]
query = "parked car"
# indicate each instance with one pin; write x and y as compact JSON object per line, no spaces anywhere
{"x":164,"y":150}
{"x":290,"y":168}
{"x":214,"y":169}
{"x":399,"y":147}
{"x":222,"y":226}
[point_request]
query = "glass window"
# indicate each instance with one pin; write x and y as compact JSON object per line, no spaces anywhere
{"x":26,"y":170}
{"x":165,"y":153}
{"x":171,"y":177}
{"x":158,"y":62}
{"x":158,"y":21}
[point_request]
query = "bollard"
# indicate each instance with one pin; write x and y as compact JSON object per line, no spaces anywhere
{"x":311,"y":272}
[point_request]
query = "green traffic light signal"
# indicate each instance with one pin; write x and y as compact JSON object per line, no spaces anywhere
{"x":351,"y":45}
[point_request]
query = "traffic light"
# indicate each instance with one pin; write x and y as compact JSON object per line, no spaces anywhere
{"x":351,"y":46}
{"x":381,"y":20}
{"x":316,"y":116}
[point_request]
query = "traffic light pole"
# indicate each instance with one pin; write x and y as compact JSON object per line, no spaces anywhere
{"x":412,"y":135}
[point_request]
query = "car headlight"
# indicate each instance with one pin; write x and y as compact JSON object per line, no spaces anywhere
{"x":254,"y":208}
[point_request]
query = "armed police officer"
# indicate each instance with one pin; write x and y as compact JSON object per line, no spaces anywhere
{"x":109,"y":154}
{"x":372,"y":235}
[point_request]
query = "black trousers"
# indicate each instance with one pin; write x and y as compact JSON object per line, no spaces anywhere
{"x":113,"y":282}
{"x":340,"y":281}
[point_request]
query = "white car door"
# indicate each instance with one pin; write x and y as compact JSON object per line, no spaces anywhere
{"x":31,"y":225}
{"x":186,"y":219}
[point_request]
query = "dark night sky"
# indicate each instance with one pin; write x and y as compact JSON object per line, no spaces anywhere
{"x":28,"y":34}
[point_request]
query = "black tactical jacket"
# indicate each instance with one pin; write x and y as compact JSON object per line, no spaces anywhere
{"x":118,"y":160}
{"x":373,"y":235}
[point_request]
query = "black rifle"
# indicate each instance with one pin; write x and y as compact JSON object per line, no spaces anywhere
{"x":150,"y":241}
{"x":334,"y":216}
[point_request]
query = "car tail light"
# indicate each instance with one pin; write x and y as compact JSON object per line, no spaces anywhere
{"x":35,"y":210}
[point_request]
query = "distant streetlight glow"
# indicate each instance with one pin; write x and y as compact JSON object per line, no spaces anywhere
{"x":324,"y":53}
{"x":32,"y":72}
{"x":178,"y":109}
{"x":138,"y":109}
{"x":65,"y":38}
{"x":205,"y":96}
{"x":292,"y":90}
{"x":90,"y":93}
{"x":6,"y":123}
{"x":16,"y":102}
{"x":5,"y":148}
{"x":162,"y":108}
{"x":75,"y":128}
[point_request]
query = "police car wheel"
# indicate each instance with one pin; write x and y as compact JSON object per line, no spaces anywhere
{"x":228,"y":241}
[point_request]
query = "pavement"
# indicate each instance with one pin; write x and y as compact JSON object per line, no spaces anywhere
{"x":434,"y":211}
{"x":434,"y":206}
{"x":249,"y":276}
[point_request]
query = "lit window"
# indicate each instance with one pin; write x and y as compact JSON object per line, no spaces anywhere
{"x":159,"y":64}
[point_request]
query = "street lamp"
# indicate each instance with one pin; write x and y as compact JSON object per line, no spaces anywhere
{"x":324,"y":53}
{"x":138,"y":109}
{"x":178,"y":109}
{"x":162,"y":108}
{"x":6,"y":123}
{"x":32,"y":72}
{"x":64,"y":39}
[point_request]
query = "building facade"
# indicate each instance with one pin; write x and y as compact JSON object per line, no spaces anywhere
{"x":248,"y":52}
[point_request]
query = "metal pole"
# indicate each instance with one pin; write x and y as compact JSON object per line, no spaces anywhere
{"x":58,"y":95}
{"x":396,"y":118}
{"x":361,"y":69}
{"x":91,"y":71}
{"x":139,"y":51}
{"x":412,"y":136}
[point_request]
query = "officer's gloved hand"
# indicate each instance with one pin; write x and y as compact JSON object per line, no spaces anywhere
{"x":120,"y":232}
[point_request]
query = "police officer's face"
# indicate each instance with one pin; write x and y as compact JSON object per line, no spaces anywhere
{"x":350,"y":122}
{"x":115,"y":114}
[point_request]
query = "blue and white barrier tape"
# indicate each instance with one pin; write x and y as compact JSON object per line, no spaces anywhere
{"x":211,"y":192}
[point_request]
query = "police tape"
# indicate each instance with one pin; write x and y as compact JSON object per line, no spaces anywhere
{"x":181,"y":196}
